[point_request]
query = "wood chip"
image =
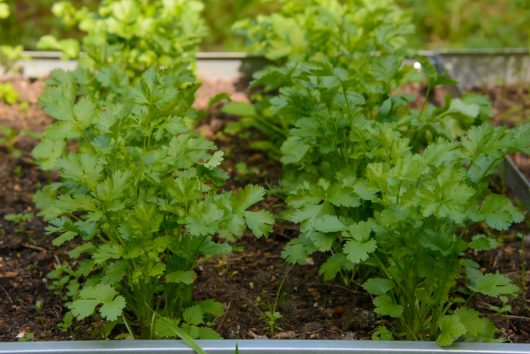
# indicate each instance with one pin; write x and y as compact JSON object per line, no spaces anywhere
{"x":285,"y":335}
{"x":7,"y":275}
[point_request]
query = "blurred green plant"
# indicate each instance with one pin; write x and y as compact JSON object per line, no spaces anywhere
{"x":8,"y":94}
{"x":9,"y":137}
{"x":4,"y":10}
{"x":136,"y":34}
{"x":15,"y":30}
{"x":20,"y":220}
{"x":8,"y":60}
{"x":451,"y":23}
{"x":220,"y":16}
{"x":471,"y":23}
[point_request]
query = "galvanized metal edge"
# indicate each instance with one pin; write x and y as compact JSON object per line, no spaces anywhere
{"x":38,"y":54}
{"x":484,"y":51}
{"x":242,"y":55}
{"x":210,"y":66}
{"x":228,"y":65}
{"x":517,"y":181}
{"x":260,"y":347}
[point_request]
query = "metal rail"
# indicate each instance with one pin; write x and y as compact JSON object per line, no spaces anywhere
{"x":259,"y":347}
{"x":210,"y":65}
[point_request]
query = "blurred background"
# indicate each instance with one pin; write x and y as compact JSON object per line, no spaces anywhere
{"x":440,"y":23}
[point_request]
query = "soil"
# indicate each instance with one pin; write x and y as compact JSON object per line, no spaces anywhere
{"x":248,"y":282}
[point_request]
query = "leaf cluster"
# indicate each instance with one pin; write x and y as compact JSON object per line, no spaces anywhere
{"x":139,"y":194}
{"x":133,"y":33}
{"x":335,"y":35}
{"x":9,"y":55}
{"x":384,"y":189}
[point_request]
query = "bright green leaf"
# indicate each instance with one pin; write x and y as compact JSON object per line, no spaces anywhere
{"x":385,"y":306}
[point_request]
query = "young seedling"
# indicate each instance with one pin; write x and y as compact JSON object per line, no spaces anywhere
{"x":272,"y":315}
{"x":20,"y":219}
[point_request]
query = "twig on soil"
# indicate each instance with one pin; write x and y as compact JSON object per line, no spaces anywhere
{"x":511,"y":317}
{"x":7,"y":294}
{"x":34,"y":247}
{"x":256,"y":336}
{"x":225,"y":313}
{"x":496,"y":259}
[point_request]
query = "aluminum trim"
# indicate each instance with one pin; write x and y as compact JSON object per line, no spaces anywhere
{"x":260,"y":347}
{"x":517,"y":181}
{"x":244,"y":55}
{"x":36,"y":54}
{"x":210,"y":65}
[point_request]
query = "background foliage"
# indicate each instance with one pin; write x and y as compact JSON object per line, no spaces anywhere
{"x":449,"y":24}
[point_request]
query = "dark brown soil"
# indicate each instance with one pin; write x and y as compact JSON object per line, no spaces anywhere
{"x":248,"y":282}
{"x":28,"y":309}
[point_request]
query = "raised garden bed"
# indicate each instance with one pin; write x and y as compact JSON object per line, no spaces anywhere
{"x":247,"y":282}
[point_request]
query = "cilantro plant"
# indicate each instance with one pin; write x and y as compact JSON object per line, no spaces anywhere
{"x":389,"y":188}
{"x":375,"y":184}
{"x":137,"y":34}
{"x":139,"y":192}
{"x":337,"y":33}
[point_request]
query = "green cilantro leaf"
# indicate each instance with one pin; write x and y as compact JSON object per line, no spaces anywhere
{"x":296,"y":251}
{"x":328,"y":223}
{"x":385,"y":306}
{"x":498,"y":212}
{"x":247,"y":197}
{"x":357,"y":252}
{"x":193,"y":315}
{"x":211,"y":307}
{"x":483,"y":243}
{"x":111,"y":303}
{"x":477,"y":329}
{"x":259,"y":222}
{"x":333,"y":265}
{"x":107,"y":251}
{"x":451,"y":329}
{"x":494,"y":285}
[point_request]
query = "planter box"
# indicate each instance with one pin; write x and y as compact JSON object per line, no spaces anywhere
{"x":476,"y":68}
{"x":211,"y":65}
{"x":259,"y":347}
{"x":227,"y":66}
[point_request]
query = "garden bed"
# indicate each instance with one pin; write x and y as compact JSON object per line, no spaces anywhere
{"x":247,"y":281}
